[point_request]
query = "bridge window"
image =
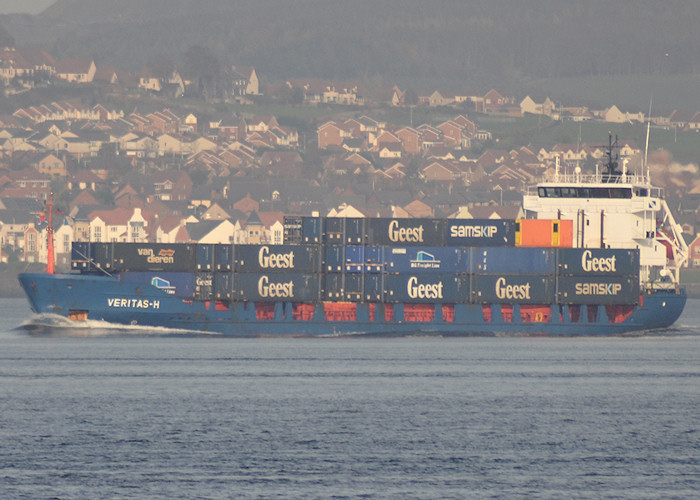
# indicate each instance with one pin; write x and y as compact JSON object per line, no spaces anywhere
{"x":585,"y":192}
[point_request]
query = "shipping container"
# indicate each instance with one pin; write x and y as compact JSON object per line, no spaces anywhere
{"x":275,"y":287}
{"x":480,"y":232}
{"x":293,"y":229}
{"x":598,"y":290}
{"x":555,"y":233}
{"x":361,"y":259}
{"x":424,"y":259}
{"x":354,"y":259}
{"x":223,"y":257}
{"x":154,"y":257}
{"x":344,"y":230}
{"x":494,"y":289}
{"x":312,"y":230}
{"x":598,"y":262}
{"x":406,"y":232}
{"x":426,"y":288}
{"x":276,"y":258}
{"x":223,"y":286}
{"x":205,"y":257}
{"x":374,"y":258}
{"x":204,"y":286}
{"x":333,"y":287}
{"x":343,"y":287}
{"x":333,"y":258}
{"x":102,"y":256}
{"x":352,"y":287}
{"x":373,"y":289}
{"x":80,"y":255}
{"x":513,"y":261}
{"x":179,"y":284}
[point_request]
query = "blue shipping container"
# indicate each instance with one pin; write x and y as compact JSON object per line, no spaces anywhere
{"x":512,"y":289}
{"x":598,"y":290}
{"x":384,"y":231}
{"x":276,"y":258}
{"x":480,"y":232}
{"x":354,"y":259}
{"x":344,"y":230}
{"x":205,"y":257}
{"x":426,"y":288}
{"x":513,"y":260}
{"x":154,"y":257}
{"x":598,"y":262}
{"x":102,"y":255}
{"x":333,"y":258}
{"x":275,"y":287}
{"x":204,"y":286}
{"x":223,"y":257}
{"x":434,"y":260}
{"x":80,"y":255}
{"x":312,"y":230}
{"x":179,"y":284}
{"x":223,"y":285}
{"x":373,"y":288}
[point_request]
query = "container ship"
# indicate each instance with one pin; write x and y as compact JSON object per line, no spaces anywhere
{"x":596,"y":254}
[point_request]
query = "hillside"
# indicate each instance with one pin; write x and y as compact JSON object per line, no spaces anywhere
{"x":507,"y":43}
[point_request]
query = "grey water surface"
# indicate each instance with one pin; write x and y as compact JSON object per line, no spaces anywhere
{"x":89,"y":413}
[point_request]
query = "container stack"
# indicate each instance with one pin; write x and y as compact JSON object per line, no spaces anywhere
{"x":382,"y":261}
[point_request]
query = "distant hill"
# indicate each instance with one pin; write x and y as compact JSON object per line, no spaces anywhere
{"x":454,"y":44}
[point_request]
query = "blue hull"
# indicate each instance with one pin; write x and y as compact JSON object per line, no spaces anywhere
{"x":107,"y":299}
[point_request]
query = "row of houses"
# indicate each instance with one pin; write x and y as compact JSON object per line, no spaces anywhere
{"x":26,"y":67}
{"x":23,"y":224}
{"x":678,"y":119}
{"x":393,"y":141}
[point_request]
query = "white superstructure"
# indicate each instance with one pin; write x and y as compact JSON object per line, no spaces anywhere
{"x":615,"y":210}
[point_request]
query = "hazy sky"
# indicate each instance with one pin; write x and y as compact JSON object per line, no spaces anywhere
{"x":26,"y":6}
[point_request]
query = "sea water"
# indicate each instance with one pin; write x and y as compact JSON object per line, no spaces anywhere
{"x":85,"y":413}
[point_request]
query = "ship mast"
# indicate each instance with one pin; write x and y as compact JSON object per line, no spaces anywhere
{"x":47,"y":215}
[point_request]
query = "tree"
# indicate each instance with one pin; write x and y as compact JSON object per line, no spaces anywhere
{"x":163,"y":68}
{"x":6,"y":40}
{"x":410,"y":98}
{"x":202,"y":66}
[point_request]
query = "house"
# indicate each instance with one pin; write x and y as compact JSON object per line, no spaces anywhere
{"x":437,"y":170}
{"x":492,"y":102}
{"x":214,"y":212}
{"x":253,"y":231}
{"x":85,"y":179}
{"x":419,"y":209}
{"x":76,"y":70}
{"x":52,"y":166}
{"x":26,"y":183}
{"x":331,"y":134}
{"x":453,"y":134}
{"x":247,"y":205}
{"x":245,"y":81}
{"x":211,"y":231}
{"x":410,"y":139}
{"x":171,"y":229}
{"x":172,"y":144}
{"x":119,"y":225}
{"x":171,"y":185}
{"x":694,"y":252}
{"x":546,"y":107}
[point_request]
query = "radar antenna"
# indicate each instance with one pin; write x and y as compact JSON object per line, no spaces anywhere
{"x":613,"y":157}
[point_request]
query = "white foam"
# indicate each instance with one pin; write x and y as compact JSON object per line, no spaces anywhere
{"x":55,"y":324}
